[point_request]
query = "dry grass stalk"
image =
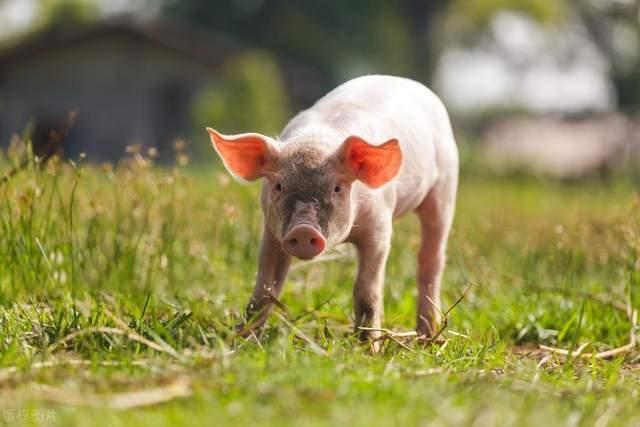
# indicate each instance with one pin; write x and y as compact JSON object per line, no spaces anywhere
{"x":407,"y":336}
{"x":316,"y":348}
{"x":133,"y":336}
{"x":632,"y":315}
{"x":6,"y":373}
{"x":179,"y":388}
{"x":163,"y":345}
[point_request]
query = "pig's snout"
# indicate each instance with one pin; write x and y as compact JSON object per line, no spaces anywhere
{"x":303,"y":241}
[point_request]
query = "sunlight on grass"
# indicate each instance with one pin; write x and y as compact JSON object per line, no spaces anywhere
{"x":122,"y":284}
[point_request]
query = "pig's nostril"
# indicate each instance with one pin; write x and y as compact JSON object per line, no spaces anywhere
{"x":303,"y":241}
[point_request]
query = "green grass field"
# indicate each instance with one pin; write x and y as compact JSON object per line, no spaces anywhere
{"x":119,"y":290}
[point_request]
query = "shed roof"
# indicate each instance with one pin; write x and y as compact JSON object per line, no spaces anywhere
{"x":305,"y":83}
{"x":203,"y":46}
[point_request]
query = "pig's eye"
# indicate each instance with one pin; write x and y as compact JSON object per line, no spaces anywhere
{"x":337,"y":189}
{"x":278,"y":187}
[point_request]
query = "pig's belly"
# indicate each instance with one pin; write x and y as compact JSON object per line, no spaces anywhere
{"x":409,"y":194}
{"x":416,"y":178}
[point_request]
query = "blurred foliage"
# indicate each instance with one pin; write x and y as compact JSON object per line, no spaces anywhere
{"x":62,"y":13}
{"x":614,"y":27}
{"x":343,"y":39}
{"x":335,"y":37}
{"x":479,"y":13}
{"x":250,"y":97}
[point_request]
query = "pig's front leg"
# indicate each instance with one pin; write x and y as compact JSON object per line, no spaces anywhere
{"x":272,"y":272}
{"x":373,"y":246}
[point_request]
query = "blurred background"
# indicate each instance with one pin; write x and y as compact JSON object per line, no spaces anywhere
{"x":550,"y":87}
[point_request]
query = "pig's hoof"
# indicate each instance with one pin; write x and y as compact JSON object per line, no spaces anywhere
{"x":370,"y":338}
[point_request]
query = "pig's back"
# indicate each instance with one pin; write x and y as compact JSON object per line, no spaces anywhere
{"x":379,"y":108}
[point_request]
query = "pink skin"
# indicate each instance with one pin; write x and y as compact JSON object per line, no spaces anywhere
{"x":303,"y":241}
{"x":355,"y":188}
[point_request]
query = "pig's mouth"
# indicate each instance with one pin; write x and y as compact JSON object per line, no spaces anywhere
{"x":303,"y":240}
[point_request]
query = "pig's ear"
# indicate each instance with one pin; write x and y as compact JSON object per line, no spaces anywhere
{"x":248,"y":155}
{"x":374,"y":165}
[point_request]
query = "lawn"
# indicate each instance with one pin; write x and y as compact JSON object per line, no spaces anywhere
{"x":120,"y":287}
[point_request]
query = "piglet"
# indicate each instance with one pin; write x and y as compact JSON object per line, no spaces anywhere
{"x":370,"y":151}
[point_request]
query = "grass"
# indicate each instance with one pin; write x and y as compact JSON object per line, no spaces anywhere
{"x":120,"y":287}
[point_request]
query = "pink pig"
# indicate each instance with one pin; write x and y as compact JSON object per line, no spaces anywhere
{"x":368,"y":152}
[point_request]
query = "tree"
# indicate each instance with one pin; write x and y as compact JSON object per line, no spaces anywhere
{"x":339,"y":38}
{"x":60,"y":13}
{"x":615,"y":28}
{"x":249,"y":98}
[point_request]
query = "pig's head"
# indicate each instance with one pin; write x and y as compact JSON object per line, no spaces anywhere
{"x":307,"y":197}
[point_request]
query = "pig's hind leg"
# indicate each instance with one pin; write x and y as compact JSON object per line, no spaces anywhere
{"x":436,"y":216}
